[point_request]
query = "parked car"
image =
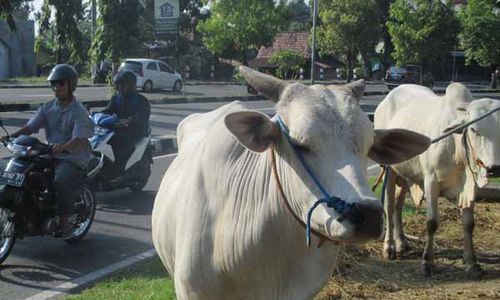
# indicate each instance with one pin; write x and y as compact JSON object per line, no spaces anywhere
{"x":395,"y":76}
{"x":153,"y":74}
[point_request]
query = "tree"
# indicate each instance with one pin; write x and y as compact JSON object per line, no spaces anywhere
{"x":480,"y":37}
{"x":384,"y":17}
{"x":298,"y":15}
{"x":9,"y":9}
{"x":348,"y":28}
{"x":287,"y":61}
{"x":118,"y":33}
{"x":67,"y":38}
{"x":236,"y":25}
{"x":422,"y":31}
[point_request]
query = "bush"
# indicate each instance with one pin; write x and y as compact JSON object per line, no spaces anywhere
{"x":287,"y":61}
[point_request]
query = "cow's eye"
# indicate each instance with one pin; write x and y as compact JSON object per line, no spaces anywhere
{"x":474,"y":130}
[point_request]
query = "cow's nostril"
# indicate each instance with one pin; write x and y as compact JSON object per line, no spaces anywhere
{"x":373,"y":215}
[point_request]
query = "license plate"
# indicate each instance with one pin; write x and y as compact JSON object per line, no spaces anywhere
{"x":11,"y":178}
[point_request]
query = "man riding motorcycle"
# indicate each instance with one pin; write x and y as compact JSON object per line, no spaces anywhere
{"x":68,"y":128}
{"x":133,"y":111}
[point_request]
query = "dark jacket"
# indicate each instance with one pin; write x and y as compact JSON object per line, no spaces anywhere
{"x":134,"y":107}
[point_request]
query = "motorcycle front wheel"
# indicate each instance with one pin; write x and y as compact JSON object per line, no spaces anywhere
{"x":7,"y":234}
{"x":85,"y":217}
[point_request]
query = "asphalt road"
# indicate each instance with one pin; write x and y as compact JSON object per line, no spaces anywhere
{"x":121,"y":229}
{"x":104,"y":93}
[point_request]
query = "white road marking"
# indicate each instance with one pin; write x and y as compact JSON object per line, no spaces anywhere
{"x":64,"y":288}
{"x":165,"y":156}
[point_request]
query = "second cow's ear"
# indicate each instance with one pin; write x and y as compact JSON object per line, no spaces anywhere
{"x":393,"y":146}
{"x":253,"y":129}
{"x":462,"y":117}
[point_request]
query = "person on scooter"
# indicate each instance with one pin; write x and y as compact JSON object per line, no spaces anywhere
{"x":67,"y":128}
{"x":133,"y":111}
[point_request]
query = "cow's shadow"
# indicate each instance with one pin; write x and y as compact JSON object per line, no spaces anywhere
{"x":125,"y":202}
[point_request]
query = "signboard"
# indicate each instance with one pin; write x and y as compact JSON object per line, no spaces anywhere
{"x":166,"y":17}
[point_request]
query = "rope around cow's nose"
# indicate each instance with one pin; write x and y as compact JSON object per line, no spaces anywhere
{"x":347,"y":211}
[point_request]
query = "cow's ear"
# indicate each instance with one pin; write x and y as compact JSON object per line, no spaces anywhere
{"x":357,"y":87}
{"x":393,"y":146}
{"x":253,"y":129}
{"x":460,"y":120}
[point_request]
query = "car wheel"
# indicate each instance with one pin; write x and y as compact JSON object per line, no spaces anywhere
{"x":148,"y":87}
{"x":177,"y":86}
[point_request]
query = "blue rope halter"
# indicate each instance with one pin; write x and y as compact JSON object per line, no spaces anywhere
{"x":347,"y":211}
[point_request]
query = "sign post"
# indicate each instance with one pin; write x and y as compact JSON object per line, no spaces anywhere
{"x":167,"y":17}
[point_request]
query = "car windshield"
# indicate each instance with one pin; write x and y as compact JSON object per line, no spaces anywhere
{"x":133,"y":66}
{"x":398,"y":70}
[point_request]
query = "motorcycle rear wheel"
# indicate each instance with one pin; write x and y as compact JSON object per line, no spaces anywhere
{"x":7,"y":235}
{"x":88,"y":199}
{"x":139,"y":185}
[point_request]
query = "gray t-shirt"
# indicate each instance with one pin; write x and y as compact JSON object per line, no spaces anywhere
{"x":64,"y":124}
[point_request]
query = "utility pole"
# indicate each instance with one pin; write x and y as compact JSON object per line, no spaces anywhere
{"x":313,"y":48}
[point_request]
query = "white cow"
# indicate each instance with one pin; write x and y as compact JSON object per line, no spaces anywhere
{"x":220,"y":225}
{"x":453,"y":167}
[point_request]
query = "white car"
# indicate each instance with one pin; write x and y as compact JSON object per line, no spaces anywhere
{"x":153,"y":74}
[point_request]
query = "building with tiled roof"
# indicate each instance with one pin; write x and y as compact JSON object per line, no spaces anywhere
{"x":297,"y":41}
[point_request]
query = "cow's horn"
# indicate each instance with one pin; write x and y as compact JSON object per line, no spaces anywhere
{"x":267,"y":85}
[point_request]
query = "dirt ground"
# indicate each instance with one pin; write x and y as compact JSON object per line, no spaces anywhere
{"x":362,"y":273}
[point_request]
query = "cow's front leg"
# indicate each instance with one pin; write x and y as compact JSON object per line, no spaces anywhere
{"x":432,"y":195}
{"x":472,"y":268}
{"x":390,"y":189}
{"x":402,"y":244}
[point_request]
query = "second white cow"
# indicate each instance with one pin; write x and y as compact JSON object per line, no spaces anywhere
{"x":453,"y":167}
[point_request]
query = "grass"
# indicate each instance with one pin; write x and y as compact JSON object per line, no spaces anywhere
{"x":495,"y":180}
{"x":150,"y":281}
{"x":408,"y":208}
{"x":146,"y":281}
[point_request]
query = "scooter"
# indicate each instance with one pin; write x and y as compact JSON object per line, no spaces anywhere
{"x":137,"y":167}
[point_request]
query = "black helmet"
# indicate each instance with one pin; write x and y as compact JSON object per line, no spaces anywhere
{"x":64,"y":72}
{"x":125,"y":76}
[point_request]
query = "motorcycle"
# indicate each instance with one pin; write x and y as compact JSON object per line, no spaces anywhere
{"x":138,"y":166}
{"x":27,"y":199}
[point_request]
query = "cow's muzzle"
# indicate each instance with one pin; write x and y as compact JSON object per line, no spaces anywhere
{"x":493,"y":171}
{"x":373,"y":216}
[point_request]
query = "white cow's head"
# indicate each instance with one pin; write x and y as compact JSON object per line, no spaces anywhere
{"x":336,"y":139}
{"x":482,"y":137}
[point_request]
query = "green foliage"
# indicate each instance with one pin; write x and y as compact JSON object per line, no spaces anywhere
{"x":480,"y":37}
{"x":67,"y":39}
{"x":118,"y":33}
{"x":298,"y":15}
{"x":348,"y":28}
{"x":287,"y":61}
{"x":422,"y":31}
{"x":9,"y":9}
{"x":236,"y":25}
